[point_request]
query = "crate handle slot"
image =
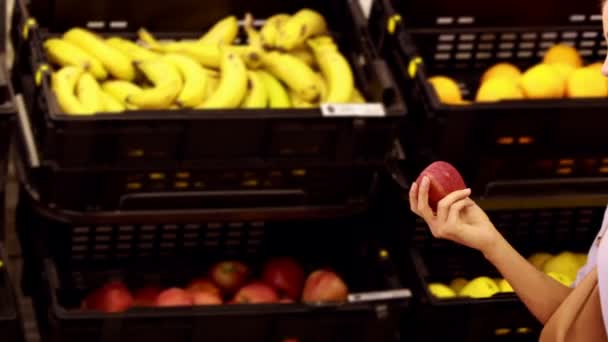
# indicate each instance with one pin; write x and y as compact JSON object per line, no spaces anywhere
{"x":26,"y":131}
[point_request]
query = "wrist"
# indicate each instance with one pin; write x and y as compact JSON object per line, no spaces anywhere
{"x":495,"y":247}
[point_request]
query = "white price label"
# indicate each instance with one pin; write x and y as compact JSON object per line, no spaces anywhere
{"x":379,"y":295}
{"x":366,"y":6}
{"x":353,"y":109}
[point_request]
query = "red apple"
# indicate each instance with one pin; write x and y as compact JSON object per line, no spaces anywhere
{"x":146,"y":296}
{"x":174,"y":297}
{"x":286,"y":301}
{"x":324,"y":286}
{"x":285,"y":275}
{"x":229,"y":275}
{"x":112,"y":297}
{"x":203,"y":285}
{"x":444,"y":178}
{"x":256,"y":293}
{"x":206,"y":298}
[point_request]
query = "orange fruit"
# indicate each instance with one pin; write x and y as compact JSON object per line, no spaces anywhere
{"x":563,"y":54}
{"x":447,"y":89}
{"x":543,"y":81}
{"x":497,"y":89}
{"x":586,"y":82}
{"x":502,"y":70}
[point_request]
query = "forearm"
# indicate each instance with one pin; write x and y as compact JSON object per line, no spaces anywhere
{"x":541,"y":294}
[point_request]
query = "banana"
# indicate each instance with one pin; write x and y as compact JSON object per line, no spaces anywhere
{"x":111,"y":104}
{"x":207,"y":55}
{"x":257,"y":96}
{"x":64,"y":84}
{"x":195,"y":80}
{"x":305,"y":55}
{"x":213,"y":81}
{"x":323,"y":86}
{"x":271,"y":28}
{"x":65,"y":53}
{"x":298,"y":102}
{"x":149,"y":39}
{"x":167,"y":85}
{"x":121,"y":90}
{"x":304,"y":24}
{"x":88,"y":93}
{"x":253,"y":36}
{"x":224,"y":32}
{"x":357,"y":97}
{"x":294,"y":73}
{"x":136,"y":52}
{"x":336,"y":71}
{"x":233,"y":83}
{"x":117,"y":63}
{"x":277,"y":95}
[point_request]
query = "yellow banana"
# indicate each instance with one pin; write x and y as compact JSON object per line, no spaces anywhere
{"x":116,"y":62}
{"x":233,"y":83}
{"x":136,"y":52}
{"x":294,"y":73}
{"x":298,"y":102}
{"x":336,"y":71}
{"x":121,"y":90}
{"x":65,"y":53}
{"x":277,"y":95}
{"x":207,"y":55}
{"x":64,"y":84}
{"x":149,"y":39}
{"x":254,"y":48}
{"x":304,"y":24}
{"x":357,"y":97}
{"x":167,"y":85}
{"x":271,"y":28}
{"x":305,"y":55}
{"x":88,"y":92}
{"x":195,"y":80}
{"x":111,"y":104}
{"x":224,"y":32}
{"x":323,"y":86}
{"x":213,"y":81}
{"x":257,"y":96}
{"x":253,"y":36}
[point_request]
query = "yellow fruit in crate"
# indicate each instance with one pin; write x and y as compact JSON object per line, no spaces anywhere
{"x":136,"y":52}
{"x":89,"y":93}
{"x":598,"y":68}
{"x":582,"y":259}
{"x":481,"y":287}
{"x":167,"y":85}
{"x":194,"y":76}
{"x":562,"y":278}
{"x":257,"y":96}
{"x":565,"y":263}
{"x":65,"y":53}
{"x":564,"y":70}
{"x":441,"y":291}
{"x":111,"y":104}
{"x":447,"y":89}
{"x":121,"y":90}
{"x":539,"y":259}
{"x":586,"y":82}
{"x":504,"y":286}
{"x":563,"y":54}
{"x":304,"y":24}
{"x":498,"y":89}
{"x":64,"y":87}
{"x":222,"y":33}
{"x":232,"y":87}
{"x":271,"y":28}
{"x":336,"y":72}
{"x":298,"y":76}
{"x":502,"y":70}
{"x":357,"y":97}
{"x":457,"y":284}
{"x":542,"y":81}
{"x":277,"y":94}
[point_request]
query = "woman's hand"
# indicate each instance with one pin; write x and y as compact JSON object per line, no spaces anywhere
{"x":458,"y":218}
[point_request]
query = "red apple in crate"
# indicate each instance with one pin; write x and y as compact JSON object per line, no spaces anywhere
{"x":206,"y":298}
{"x":256,"y":293}
{"x":203,"y":285}
{"x":324,"y":286}
{"x":444,"y":179}
{"x":146,"y":296}
{"x":285,"y":275}
{"x":174,"y":297}
{"x":229,"y":275}
{"x":112,"y":297}
{"x":286,"y":301}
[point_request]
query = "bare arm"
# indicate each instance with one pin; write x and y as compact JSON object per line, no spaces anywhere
{"x":461,"y":220}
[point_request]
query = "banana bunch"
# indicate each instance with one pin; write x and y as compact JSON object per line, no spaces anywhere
{"x":289,"y":62}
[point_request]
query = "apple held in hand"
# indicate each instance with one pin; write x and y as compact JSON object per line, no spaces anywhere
{"x":324,"y":286}
{"x":146,"y":296}
{"x":112,"y":297}
{"x":174,"y":297}
{"x":229,"y":275}
{"x":444,"y":179}
{"x":285,"y":275}
{"x":203,"y":285}
{"x":256,"y":293}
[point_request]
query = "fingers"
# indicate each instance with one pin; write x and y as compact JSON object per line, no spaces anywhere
{"x":443,"y":207}
{"x":414,"y":197}
{"x":455,"y":210}
{"x":423,"y":207}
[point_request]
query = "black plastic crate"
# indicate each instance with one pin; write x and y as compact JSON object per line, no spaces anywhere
{"x":508,"y":140}
{"x":10,"y":322}
{"x":545,"y":225}
{"x":77,"y":255}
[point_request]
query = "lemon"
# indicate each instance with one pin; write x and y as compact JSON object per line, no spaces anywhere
{"x":497,"y":89}
{"x":457,"y":284}
{"x":564,"y":70}
{"x":441,"y":291}
{"x":504,"y":286}
{"x":502,"y":70}
{"x":563,"y":54}
{"x":543,"y":81}
{"x":481,"y":287}
{"x":586,"y":82}
{"x":562,"y":278}
{"x":539,"y":259}
{"x":565,"y":263}
{"x":447,"y":89}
